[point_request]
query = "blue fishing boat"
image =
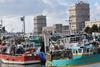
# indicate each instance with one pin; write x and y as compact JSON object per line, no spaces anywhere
{"x":76,"y":55}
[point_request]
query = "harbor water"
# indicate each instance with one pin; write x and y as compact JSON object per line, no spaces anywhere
{"x":37,"y":65}
{"x":92,"y":65}
{"x":13,"y":65}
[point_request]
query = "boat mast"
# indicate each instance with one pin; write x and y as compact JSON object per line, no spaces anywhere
{"x":1,"y":22}
{"x":24,"y":24}
{"x":46,"y":40}
{"x":23,"y":20}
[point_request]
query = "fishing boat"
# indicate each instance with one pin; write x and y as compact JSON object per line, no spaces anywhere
{"x":21,"y":53}
{"x":17,"y":48}
{"x":78,"y":54}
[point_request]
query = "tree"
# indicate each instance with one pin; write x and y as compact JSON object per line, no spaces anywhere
{"x":88,"y":30}
{"x":94,"y":28}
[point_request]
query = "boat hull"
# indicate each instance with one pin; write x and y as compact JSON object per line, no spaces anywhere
{"x":8,"y":59}
{"x":76,"y":61}
{"x":20,"y":63}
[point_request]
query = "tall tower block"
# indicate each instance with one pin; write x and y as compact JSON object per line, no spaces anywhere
{"x":78,"y":14}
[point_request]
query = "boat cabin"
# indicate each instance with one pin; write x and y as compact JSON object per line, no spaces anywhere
{"x":87,"y":49}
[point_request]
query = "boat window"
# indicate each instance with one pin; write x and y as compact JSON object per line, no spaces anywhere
{"x":24,"y":46}
{"x":74,"y":51}
{"x":91,"y":50}
{"x":27,"y":45}
{"x":87,"y":50}
{"x":4,"y":50}
{"x":80,"y":50}
{"x":84,"y":51}
{"x":31,"y":45}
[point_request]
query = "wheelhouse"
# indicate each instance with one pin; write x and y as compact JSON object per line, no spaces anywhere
{"x":87,"y":49}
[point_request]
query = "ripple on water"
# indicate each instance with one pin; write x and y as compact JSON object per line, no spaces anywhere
{"x":13,"y":65}
{"x":91,"y":65}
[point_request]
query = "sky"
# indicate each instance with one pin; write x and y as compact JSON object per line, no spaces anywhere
{"x":55,"y":10}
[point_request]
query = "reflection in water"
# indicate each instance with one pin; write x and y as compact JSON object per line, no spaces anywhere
{"x":38,"y":65}
{"x":10,"y":65}
{"x":91,"y":65}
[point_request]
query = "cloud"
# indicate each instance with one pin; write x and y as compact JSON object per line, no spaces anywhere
{"x":6,"y":1}
{"x":63,"y":2}
{"x":29,"y":24}
{"x":14,"y":24}
{"x":97,"y":5}
{"x":47,"y":2}
{"x":50,"y":3}
{"x":58,"y":2}
{"x":20,"y":7}
{"x":55,"y":10}
{"x":55,"y":3}
{"x":56,"y":16}
{"x":95,"y":11}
